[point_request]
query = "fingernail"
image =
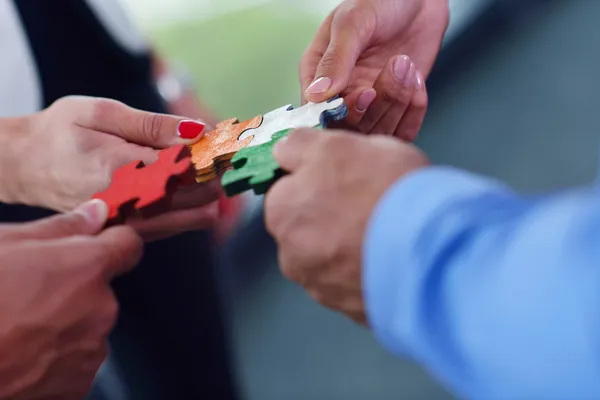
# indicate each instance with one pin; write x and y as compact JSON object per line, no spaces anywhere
{"x":95,"y":211}
{"x":279,"y":145}
{"x":401,"y":67}
{"x":365,"y":99}
{"x":409,"y":79}
{"x":319,"y":86}
{"x":190,"y":129}
{"x":419,"y":81}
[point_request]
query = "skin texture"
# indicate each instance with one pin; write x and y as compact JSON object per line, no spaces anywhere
{"x":319,"y":212}
{"x":56,"y":303}
{"x":64,"y":154}
{"x":358,"y":51}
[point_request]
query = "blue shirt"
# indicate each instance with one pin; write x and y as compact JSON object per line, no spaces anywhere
{"x":496,"y":294}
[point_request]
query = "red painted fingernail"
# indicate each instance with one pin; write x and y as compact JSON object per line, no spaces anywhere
{"x":189,"y":129}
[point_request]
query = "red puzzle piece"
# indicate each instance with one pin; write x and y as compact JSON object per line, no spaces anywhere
{"x":137,"y":188}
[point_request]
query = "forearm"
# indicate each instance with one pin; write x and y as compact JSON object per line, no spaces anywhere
{"x":493,"y":293}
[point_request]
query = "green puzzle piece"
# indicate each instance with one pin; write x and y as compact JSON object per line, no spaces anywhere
{"x":254,"y":168}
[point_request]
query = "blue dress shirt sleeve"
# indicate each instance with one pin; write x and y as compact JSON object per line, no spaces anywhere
{"x":496,"y":294}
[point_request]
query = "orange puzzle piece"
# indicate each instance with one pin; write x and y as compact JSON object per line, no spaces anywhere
{"x":147,"y":189}
{"x":214,"y":151}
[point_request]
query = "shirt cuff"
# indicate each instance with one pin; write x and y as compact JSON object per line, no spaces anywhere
{"x":400,"y":248}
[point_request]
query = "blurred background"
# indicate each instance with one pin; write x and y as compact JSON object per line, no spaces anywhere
{"x":513,"y":96}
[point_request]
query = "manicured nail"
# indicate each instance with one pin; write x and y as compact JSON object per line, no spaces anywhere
{"x":190,"y":129}
{"x":365,"y":99}
{"x":319,"y":86}
{"x":409,"y":79}
{"x":419,"y":81}
{"x":401,"y":67}
{"x":95,"y":211}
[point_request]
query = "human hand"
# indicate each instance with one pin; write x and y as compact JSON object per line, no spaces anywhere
{"x":377,"y":54}
{"x":56,"y":303}
{"x":68,"y":152}
{"x":319,"y":212}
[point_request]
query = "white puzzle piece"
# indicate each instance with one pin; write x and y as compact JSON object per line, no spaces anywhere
{"x":286,"y":117}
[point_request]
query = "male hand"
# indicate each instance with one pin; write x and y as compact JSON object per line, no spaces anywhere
{"x":319,"y":212}
{"x":377,"y":55}
{"x":68,"y":152}
{"x":56,"y":304}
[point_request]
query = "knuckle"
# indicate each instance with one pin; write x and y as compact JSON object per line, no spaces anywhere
{"x":333,"y":146}
{"x":206,"y":217}
{"x":152,"y":125}
{"x":109,"y":314}
{"x":101,"y":258}
{"x":398,"y":93}
{"x":299,"y":134}
{"x":290,"y":271}
{"x":121,"y":251}
{"x":275,"y":208}
{"x":68,"y":101}
{"x":352,"y":14}
{"x":101,"y":353}
{"x":303,"y":66}
{"x":102,"y":109}
{"x":10,"y":232}
{"x":319,"y":297}
{"x":420,"y":103}
{"x":332,"y":58}
{"x":68,"y":225}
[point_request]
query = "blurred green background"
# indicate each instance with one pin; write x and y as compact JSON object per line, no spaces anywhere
{"x":244,"y":62}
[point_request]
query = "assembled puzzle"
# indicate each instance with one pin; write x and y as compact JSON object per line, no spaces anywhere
{"x":246,"y":146}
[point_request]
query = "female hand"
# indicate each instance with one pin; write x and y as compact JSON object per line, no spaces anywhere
{"x":377,"y":54}
{"x":63,"y":155}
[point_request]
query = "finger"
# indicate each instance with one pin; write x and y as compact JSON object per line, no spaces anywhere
{"x":411,"y":123}
{"x":120,"y":249}
{"x":277,"y":206}
{"x":358,"y":102}
{"x":112,"y":252}
{"x":176,"y":222}
{"x":394,"y":88}
{"x":290,"y":151}
{"x":351,"y":29}
{"x":87,"y":219}
{"x":141,"y":127}
{"x":310,"y":60}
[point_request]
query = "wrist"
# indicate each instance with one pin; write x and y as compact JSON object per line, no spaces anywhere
{"x":13,"y":158}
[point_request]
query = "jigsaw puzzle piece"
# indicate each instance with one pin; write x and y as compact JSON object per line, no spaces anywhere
{"x":146,"y":190}
{"x":254,"y":168}
{"x":310,"y":115}
{"x":212,"y":154}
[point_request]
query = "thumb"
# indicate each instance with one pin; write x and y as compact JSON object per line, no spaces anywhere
{"x":334,"y":70}
{"x":141,"y":127}
{"x":87,"y":219}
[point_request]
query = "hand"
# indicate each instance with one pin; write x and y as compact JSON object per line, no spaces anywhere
{"x":56,"y":303}
{"x":377,"y":54}
{"x":318,"y":214}
{"x":68,"y":152}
